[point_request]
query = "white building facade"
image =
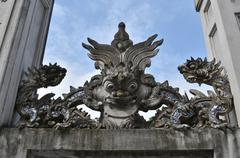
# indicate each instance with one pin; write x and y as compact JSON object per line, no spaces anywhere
{"x":221,"y":27}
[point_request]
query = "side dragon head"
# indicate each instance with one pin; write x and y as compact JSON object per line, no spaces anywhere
{"x":118,"y":92}
{"x":200,"y":71}
{"x":47,"y":75}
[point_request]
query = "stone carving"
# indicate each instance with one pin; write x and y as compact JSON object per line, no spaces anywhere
{"x":123,"y":89}
{"x":46,"y":111}
{"x":201,"y":110}
{"x":3,"y":1}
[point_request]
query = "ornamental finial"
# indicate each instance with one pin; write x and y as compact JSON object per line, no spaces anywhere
{"x":121,"y":38}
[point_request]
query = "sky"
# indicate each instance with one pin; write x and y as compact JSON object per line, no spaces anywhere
{"x":175,"y":21}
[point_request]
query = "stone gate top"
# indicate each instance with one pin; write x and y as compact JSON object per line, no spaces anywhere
{"x":122,"y":89}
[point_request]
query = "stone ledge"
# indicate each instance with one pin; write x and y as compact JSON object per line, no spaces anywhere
{"x":16,"y":143}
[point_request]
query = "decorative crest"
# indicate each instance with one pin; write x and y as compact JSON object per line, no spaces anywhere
{"x":123,"y":52}
{"x":123,"y":89}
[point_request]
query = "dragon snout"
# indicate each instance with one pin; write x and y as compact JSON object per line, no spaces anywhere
{"x":181,"y":68}
{"x":120,"y":93}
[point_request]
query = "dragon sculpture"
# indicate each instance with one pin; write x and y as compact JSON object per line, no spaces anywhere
{"x":47,"y":111}
{"x":122,"y":89}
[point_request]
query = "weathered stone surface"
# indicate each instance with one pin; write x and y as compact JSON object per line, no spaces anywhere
{"x":15,"y":143}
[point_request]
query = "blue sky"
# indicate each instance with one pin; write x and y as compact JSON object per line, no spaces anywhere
{"x":73,"y":21}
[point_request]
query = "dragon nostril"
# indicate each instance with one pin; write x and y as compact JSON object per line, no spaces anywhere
{"x":120,"y":93}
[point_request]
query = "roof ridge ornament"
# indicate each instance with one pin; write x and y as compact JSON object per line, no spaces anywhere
{"x":122,"y":89}
{"x":121,"y":38}
{"x":123,"y":52}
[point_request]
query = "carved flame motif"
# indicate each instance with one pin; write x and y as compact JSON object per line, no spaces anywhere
{"x":123,"y":89}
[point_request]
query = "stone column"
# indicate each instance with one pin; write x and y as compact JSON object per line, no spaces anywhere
{"x":23,"y":30}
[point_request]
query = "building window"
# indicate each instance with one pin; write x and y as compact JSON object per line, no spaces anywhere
{"x":238,"y":18}
{"x":198,"y":4}
{"x":214,"y":41}
{"x":208,"y":12}
{"x":207,"y":6}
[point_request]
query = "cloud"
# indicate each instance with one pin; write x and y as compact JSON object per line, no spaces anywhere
{"x":59,"y":11}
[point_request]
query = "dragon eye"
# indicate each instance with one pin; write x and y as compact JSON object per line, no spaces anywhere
{"x":132,"y":86}
{"x":110,"y":86}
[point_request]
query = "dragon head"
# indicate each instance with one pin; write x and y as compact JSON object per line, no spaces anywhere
{"x":200,"y":71}
{"x":53,"y":75}
{"x":47,"y":75}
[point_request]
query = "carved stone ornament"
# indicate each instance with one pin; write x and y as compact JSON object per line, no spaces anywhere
{"x":123,"y":89}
